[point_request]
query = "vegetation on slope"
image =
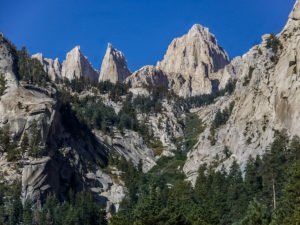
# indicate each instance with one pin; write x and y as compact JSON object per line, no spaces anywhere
{"x":79,"y":209}
{"x":267,"y":194}
{"x":206,"y":99}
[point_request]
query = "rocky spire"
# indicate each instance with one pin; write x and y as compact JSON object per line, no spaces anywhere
{"x":52,"y":67}
{"x":190,"y":60}
{"x":77,"y":65}
{"x":114,"y":66}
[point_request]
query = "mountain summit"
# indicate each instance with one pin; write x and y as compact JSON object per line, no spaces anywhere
{"x":114,"y":66}
{"x":76,"y":65}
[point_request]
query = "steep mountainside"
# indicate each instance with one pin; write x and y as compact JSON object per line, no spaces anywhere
{"x":265,"y":98}
{"x":196,"y":139}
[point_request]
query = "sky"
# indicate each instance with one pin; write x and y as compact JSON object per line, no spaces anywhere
{"x":141,"y":29}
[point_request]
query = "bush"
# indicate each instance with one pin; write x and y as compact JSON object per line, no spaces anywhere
{"x":220,"y":119}
{"x":274,"y":43}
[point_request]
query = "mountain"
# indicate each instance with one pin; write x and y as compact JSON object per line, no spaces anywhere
{"x":196,"y":139}
{"x":265,"y":98}
{"x":189,"y":64}
{"x":52,"y":67}
{"x":191,"y":59}
{"x":76,"y":65}
{"x":114,"y":66}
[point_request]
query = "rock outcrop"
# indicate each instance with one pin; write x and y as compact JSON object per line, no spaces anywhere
{"x":52,"y":67}
{"x":147,"y":75}
{"x":191,"y":59}
{"x":266,"y":97}
{"x":114,"y":66}
{"x":76,"y":65}
{"x":188,"y":65}
{"x":132,"y":147}
{"x":23,"y":106}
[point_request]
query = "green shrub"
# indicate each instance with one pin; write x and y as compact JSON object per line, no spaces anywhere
{"x":206,"y":99}
{"x":274,"y":43}
{"x":2,"y":84}
{"x":221,"y":117}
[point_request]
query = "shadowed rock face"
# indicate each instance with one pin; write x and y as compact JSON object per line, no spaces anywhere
{"x":77,"y":65}
{"x":114,"y":66}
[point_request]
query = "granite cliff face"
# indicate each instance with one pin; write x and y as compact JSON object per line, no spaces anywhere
{"x":114,"y":66}
{"x":147,"y":75}
{"x":188,"y":65}
{"x":52,"y":67}
{"x":266,"y":98}
{"x":23,"y":106}
{"x":76,"y":65}
{"x":191,"y":59}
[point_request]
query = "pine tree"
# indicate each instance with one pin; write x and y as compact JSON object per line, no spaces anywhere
{"x":27,"y":213}
{"x":236,"y":194}
{"x":25,"y":143}
{"x":257,"y":214}
{"x":147,"y":210}
{"x":253,"y":178}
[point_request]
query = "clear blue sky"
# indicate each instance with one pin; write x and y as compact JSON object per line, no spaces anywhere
{"x":141,"y":29}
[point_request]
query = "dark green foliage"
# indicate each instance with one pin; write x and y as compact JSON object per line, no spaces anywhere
{"x":206,"y":99}
{"x":114,"y":91}
{"x":7,"y":145}
{"x":192,"y":128}
{"x":221,"y":117}
{"x":153,"y":102}
{"x":95,"y":113}
{"x":30,"y":70}
{"x":10,"y":203}
{"x":127,"y":117}
{"x":274,"y":43}
{"x":2,"y":84}
{"x":236,"y":195}
{"x":219,"y":197}
{"x":80,"y":209}
{"x":257,"y":214}
{"x":253,"y":179}
{"x":24,"y":144}
{"x":227,"y":152}
{"x":34,"y":148}
{"x":119,"y":89}
{"x":71,"y":123}
{"x":247,"y":78}
{"x":77,"y":84}
{"x":27,"y":213}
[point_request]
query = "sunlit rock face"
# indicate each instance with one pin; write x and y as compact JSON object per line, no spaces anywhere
{"x":266,"y":97}
{"x":76,"y":65}
{"x":114,"y":66}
